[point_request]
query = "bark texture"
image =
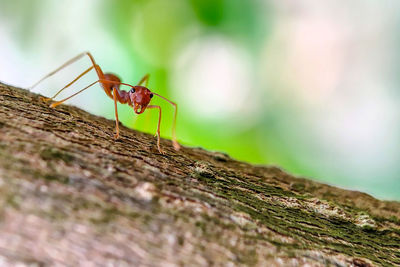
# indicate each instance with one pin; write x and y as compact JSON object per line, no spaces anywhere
{"x":72,"y":195}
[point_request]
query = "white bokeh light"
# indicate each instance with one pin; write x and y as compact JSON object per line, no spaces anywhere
{"x":213,"y":77}
{"x":333,"y":69}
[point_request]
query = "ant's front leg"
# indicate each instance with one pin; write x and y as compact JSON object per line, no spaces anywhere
{"x":116,"y":135}
{"x":174,"y":142}
{"x":158,"y":127}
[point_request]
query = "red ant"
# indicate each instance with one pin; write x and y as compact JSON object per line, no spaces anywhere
{"x":138,"y":97}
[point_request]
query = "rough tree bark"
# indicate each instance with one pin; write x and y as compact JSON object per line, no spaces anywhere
{"x":71,"y":194}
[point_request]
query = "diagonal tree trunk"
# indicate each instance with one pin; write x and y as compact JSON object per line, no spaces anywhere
{"x":72,"y":195}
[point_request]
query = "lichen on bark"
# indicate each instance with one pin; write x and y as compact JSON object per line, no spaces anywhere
{"x":70,"y":194}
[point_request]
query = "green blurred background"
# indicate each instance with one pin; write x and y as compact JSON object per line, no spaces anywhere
{"x":311,"y":86}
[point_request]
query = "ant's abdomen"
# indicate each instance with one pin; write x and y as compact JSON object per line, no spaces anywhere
{"x":112,"y":77}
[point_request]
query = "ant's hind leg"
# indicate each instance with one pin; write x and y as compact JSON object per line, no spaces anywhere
{"x":69,"y":62}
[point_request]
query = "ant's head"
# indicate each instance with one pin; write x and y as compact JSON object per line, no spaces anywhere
{"x":140,"y":97}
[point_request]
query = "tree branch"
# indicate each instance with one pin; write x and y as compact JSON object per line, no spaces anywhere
{"x":71,"y":194}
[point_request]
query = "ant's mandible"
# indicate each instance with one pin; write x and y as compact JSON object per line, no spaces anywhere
{"x":138,"y":97}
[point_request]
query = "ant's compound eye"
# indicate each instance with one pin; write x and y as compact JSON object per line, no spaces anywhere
{"x":151,"y":95}
{"x":132,"y":90}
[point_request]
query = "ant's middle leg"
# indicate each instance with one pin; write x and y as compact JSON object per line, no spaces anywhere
{"x":55,"y":104}
{"x":145,"y":80}
{"x":68,"y":85}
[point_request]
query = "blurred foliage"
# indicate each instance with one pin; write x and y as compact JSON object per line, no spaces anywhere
{"x":150,"y":32}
